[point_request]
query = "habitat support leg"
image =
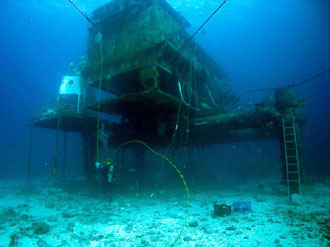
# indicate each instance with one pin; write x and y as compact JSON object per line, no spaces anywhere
{"x":89,"y":149}
{"x":56,"y":150}
{"x":139,"y":166}
{"x":189,"y":168}
{"x":64,"y":156}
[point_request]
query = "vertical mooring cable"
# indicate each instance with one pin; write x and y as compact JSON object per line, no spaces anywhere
{"x":200,"y":28}
{"x":99,"y":101}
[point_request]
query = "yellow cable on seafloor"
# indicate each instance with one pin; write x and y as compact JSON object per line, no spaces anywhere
{"x":98,"y":101}
{"x":176,"y":169}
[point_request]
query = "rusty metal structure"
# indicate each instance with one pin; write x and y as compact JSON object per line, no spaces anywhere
{"x":165,"y":94}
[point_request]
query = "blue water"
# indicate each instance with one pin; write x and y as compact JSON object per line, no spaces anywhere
{"x":258,"y":43}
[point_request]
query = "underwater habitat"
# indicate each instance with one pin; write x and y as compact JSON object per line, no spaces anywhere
{"x":150,"y":123}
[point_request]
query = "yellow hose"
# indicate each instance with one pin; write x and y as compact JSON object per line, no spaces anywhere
{"x":176,"y":169}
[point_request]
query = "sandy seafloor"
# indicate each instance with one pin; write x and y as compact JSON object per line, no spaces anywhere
{"x":39,"y":215}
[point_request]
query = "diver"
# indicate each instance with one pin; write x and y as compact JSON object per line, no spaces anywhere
{"x":107,"y":168}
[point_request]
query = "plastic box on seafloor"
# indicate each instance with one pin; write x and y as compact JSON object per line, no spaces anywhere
{"x":242,"y":207}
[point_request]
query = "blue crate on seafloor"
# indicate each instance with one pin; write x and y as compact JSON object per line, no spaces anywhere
{"x":242,"y":207}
